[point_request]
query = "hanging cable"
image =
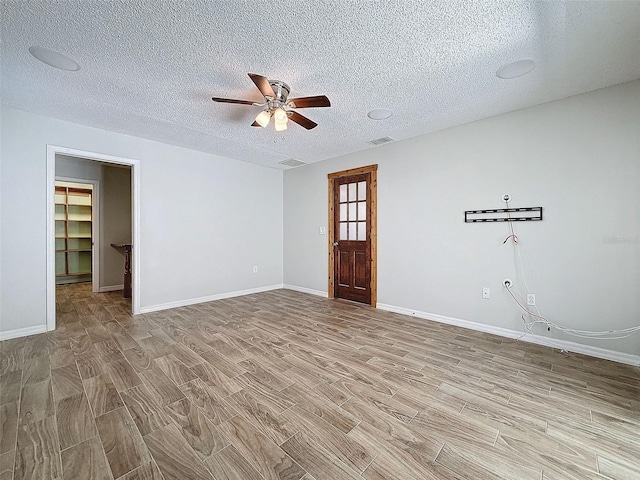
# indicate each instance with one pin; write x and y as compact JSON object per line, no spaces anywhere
{"x":537,"y":319}
{"x":615,"y":334}
{"x":515,"y":239}
{"x":513,"y":233}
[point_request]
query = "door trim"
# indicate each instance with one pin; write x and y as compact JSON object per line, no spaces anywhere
{"x":52,"y":150}
{"x":95,"y":228}
{"x":373,"y":171}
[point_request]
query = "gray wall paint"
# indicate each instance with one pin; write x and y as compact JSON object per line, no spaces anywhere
{"x":579,"y":158}
{"x":115,"y":202}
{"x":73,"y":167}
{"x":205,"y":220}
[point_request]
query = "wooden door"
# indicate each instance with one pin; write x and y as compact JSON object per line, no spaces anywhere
{"x":353,"y":218}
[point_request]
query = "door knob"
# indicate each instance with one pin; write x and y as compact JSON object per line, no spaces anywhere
{"x":335,"y":244}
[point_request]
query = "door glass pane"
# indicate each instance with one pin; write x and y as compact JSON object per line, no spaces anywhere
{"x":362,"y":231}
{"x":343,"y":231}
{"x":61,"y":244}
{"x":343,"y":212}
{"x":362,"y":210}
{"x":352,"y":192}
{"x":352,"y":211}
{"x":343,"y":193}
{"x":352,"y":231}
{"x":362,"y":190}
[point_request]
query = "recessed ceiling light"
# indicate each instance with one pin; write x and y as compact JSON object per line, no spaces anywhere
{"x":291,"y":162}
{"x":516,"y":69}
{"x":54,"y":59}
{"x":379,"y":113}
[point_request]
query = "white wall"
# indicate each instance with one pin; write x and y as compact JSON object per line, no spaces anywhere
{"x":579,"y":158}
{"x":205,"y":220}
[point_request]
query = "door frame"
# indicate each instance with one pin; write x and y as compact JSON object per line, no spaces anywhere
{"x":52,"y":151}
{"x":373,"y":216}
{"x":95,"y":228}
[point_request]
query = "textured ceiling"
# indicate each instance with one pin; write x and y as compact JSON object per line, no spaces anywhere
{"x":150,"y":67}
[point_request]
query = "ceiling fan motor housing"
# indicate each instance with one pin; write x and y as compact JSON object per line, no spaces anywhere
{"x":281,"y":90}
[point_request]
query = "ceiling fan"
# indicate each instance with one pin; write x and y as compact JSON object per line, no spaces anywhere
{"x":278,"y":105}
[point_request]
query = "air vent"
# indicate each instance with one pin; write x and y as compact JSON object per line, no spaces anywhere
{"x":291,"y":162}
{"x":381,"y":141}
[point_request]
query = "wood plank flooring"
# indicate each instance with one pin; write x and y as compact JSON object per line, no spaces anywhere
{"x":284,"y":385}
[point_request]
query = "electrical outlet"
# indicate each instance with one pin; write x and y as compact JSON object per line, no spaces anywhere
{"x":255,"y":269}
{"x":322,"y":230}
{"x":486,"y":292}
{"x":531,"y":299}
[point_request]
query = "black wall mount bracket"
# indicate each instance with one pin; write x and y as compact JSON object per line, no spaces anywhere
{"x":525,"y":214}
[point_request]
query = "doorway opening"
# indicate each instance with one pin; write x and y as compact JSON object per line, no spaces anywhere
{"x":76,"y":231}
{"x":353,"y":235}
{"x":92,"y":212}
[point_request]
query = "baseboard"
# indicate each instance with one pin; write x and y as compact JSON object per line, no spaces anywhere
{"x":22,"y":332}
{"x":209,"y":298}
{"x":111,"y":288}
{"x":310,"y":291}
{"x":589,"y":350}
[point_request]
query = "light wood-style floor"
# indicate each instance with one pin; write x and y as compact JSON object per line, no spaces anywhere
{"x":284,"y":385}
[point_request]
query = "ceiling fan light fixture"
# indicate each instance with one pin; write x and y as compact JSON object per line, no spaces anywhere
{"x":263,"y":118}
{"x":280,"y":118}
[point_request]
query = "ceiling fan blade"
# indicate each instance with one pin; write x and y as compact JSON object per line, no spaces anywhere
{"x":263,"y":85}
{"x":302,"y":120}
{"x":304,"y":102}
{"x":231,"y":100}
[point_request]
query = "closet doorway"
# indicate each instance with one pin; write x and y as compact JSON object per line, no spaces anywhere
{"x":92,"y":204}
{"x":77,"y":232}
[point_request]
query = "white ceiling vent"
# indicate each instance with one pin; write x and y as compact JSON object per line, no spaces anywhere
{"x":381,"y":141}
{"x":291,"y":162}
